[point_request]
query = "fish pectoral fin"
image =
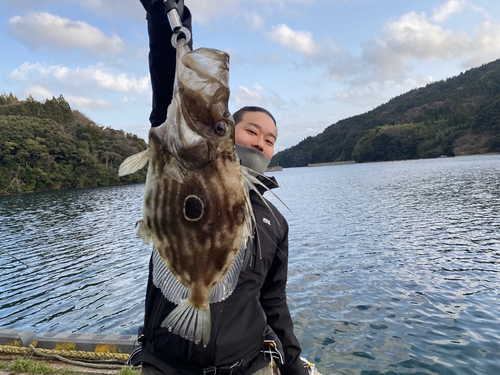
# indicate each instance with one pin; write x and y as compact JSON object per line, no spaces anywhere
{"x":175,"y":170}
{"x":133,"y":163}
{"x":189,"y":322}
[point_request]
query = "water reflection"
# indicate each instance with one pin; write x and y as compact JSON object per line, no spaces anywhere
{"x":84,"y":260}
{"x":394,"y":267}
{"x":403,"y":254}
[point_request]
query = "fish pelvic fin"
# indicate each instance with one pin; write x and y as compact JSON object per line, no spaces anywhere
{"x":171,"y":288}
{"x":189,"y":322}
{"x":133,"y":163}
{"x":175,"y":170}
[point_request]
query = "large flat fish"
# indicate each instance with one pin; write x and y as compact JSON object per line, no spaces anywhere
{"x":196,"y":210}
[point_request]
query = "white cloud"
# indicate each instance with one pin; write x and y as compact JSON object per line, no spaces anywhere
{"x":488,"y":37}
{"x":292,"y":131}
{"x":282,"y":4}
{"x":370,"y":93}
{"x":98,"y":76}
{"x":258,"y":97}
{"x":38,"y":93}
{"x":269,"y":59}
{"x":452,"y":7}
{"x":486,"y":45}
{"x":414,"y":35}
{"x":379,"y":63}
{"x":300,"y":41}
{"x":41,"y":29}
{"x":208,"y":12}
{"x":129,"y":9}
{"x":127,"y":99}
{"x":249,"y":96}
{"x":112,"y":8}
{"x":41,"y":94}
{"x":84,"y":102}
{"x":447,"y":9}
{"x":273,"y":100}
{"x":410,"y":83}
{"x":255,"y":21}
{"x":303,"y":42}
{"x":412,"y":38}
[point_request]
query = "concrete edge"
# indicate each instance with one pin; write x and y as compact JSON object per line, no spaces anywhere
{"x":69,"y":341}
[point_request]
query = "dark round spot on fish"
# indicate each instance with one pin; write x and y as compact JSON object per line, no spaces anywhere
{"x":220,"y":128}
{"x":193,"y":208}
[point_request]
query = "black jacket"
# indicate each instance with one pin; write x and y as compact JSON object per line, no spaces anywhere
{"x":239,"y":322}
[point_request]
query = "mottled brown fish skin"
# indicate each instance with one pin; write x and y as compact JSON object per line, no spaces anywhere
{"x":196,"y":206}
{"x":198,"y":251}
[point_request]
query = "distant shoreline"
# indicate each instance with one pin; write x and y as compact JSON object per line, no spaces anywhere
{"x":3,"y":192}
{"x":274,"y":169}
{"x":331,"y":163}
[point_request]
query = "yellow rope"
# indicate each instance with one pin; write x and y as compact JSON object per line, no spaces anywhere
{"x":62,"y":354}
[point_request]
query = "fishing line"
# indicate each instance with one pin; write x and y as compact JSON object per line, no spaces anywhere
{"x":12,"y":256}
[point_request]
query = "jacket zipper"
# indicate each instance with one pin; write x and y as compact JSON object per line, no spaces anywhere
{"x":215,"y":329}
{"x":155,"y":321}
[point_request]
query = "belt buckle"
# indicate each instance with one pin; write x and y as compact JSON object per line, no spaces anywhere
{"x":212,"y":370}
{"x":228,"y":370}
{"x":225,"y":371}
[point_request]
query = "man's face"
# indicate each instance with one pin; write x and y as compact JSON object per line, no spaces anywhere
{"x":256,"y":130}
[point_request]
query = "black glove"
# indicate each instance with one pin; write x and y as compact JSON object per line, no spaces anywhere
{"x":162,"y":53}
{"x":158,"y":9}
{"x":168,"y":5}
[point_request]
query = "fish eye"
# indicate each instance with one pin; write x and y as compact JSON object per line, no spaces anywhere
{"x":220,"y":128}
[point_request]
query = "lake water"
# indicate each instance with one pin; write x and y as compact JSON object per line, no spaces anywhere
{"x":394,"y":267}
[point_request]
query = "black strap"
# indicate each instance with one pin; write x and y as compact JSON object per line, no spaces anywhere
{"x":169,"y":367}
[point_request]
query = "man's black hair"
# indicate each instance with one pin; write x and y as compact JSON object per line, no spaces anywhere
{"x":238,"y":115}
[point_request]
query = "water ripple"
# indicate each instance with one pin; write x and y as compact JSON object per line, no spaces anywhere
{"x":394,"y":267}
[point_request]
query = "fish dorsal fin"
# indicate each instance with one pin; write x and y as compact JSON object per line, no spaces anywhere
{"x":133,"y":163}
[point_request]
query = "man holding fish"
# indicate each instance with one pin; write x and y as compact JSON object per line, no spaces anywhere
{"x":216,"y":294}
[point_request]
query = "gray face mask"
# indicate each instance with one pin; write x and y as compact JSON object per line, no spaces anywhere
{"x":253,"y":159}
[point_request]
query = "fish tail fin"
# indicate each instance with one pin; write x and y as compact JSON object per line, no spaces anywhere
{"x":189,"y":322}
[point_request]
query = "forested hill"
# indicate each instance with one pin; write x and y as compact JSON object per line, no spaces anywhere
{"x":458,"y":116}
{"x":48,"y":146}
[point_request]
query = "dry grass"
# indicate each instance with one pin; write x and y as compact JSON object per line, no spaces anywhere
{"x":34,"y":366}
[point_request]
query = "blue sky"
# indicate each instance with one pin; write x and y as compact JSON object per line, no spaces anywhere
{"x":310,"y":62}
